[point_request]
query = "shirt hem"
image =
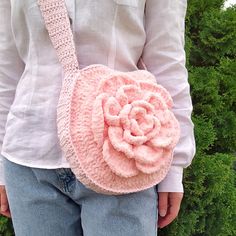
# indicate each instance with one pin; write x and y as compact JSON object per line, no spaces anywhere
{"x":33,"y":165}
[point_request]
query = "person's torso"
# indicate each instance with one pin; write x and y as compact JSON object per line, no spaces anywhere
{"x":109,"y":32}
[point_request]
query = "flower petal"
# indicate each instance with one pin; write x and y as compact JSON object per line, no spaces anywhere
{"x":160,"y":142}
{"x":130,"y":92}
{"x":118,"y":162}
{"x":174,"y":127}
{"x":156,"y":88}
{"x":142,"y":103}
{"x":156,"y":100}
{"x":159,"y":165}
{"x":114,"y":81}
{"x":116,"y":138}
{"x":150,"y":168}
{"x":121,"y":97}
{"x":137,"y":113}
{"x":135,"y":129}
{"x":98,"y":124}
{"x":111,"y":111}
{"x":124,"y":116}
{"x":134,"y":140}
{"x":169,"y":134}
{"x":163,"y":116}
{"x":146,"y":125}
{"x":156,"y":129}
{"x":146,"y":154}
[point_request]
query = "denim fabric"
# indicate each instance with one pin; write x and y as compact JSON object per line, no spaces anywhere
{"x":52,"y":202}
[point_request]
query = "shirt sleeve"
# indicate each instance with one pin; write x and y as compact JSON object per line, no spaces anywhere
{"x":11,"y":68}
{"x":164,"y":56}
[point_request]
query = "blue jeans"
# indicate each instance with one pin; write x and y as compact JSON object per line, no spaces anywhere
{"x":52,"y":202}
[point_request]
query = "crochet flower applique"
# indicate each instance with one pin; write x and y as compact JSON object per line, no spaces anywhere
{"x":133,"y":123}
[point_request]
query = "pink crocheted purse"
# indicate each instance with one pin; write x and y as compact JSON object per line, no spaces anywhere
{"x":115,"y":128}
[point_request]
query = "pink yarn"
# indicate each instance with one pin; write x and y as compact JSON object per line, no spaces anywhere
{"x":116,"y":128}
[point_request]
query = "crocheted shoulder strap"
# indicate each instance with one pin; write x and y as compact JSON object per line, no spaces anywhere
{"x":57,"y":23}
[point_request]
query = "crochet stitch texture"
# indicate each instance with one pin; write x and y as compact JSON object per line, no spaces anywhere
{"x":116,"y":128}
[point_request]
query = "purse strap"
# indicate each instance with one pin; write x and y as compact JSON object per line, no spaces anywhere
{"x":57,"y":23}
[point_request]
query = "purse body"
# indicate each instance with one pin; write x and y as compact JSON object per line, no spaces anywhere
{"x":115,"y":128}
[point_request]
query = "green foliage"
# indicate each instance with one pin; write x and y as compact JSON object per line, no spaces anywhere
{"x":212,"y":32}
{"x":209,"y":202}
{"x":205,"y":134}
{"x":225,"y":121}
{"x":217,"y":35}
{"x":205,"y":87}
{"x":214,"y":97}
{"x":6,"y":228}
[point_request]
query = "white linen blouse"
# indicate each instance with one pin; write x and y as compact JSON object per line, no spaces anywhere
{"x":116,"y":33}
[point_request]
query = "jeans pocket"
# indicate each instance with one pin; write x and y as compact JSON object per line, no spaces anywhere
{"x":67,"y":179}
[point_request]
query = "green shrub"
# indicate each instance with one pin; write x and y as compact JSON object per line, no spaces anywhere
{"x":209,"y":203}
{"x":6,"y":228}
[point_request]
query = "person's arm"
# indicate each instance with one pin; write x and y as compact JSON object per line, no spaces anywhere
{"x":11,"y":68}
{"x":165,"y":57}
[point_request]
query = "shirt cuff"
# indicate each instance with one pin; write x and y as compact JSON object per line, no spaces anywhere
{"x":173,"y":180}
{"x":2,"y":179}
